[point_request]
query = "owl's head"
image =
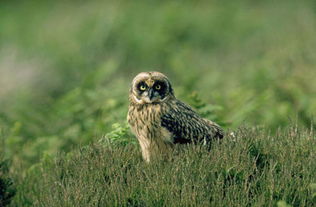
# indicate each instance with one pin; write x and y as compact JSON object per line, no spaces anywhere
{"x":150,"y":88}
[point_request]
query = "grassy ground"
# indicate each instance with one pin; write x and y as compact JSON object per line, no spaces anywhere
{"x":253,"y":168}
{"x":65,"y":69}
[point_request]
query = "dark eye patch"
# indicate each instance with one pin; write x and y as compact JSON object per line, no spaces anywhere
{"x":159,"y":83}
{"x":162,"y":89}
{"x":142,"y":86}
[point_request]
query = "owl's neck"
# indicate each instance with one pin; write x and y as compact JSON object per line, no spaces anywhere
{"x":137,"y":103}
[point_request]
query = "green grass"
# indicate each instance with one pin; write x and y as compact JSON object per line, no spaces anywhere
{"x":7,"y":188}
{"x":66,"y":66}
{"x":254,"y":168}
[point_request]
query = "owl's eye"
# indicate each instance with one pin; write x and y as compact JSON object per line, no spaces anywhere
{"x":142,"y":87}
{"x":158,"y":87}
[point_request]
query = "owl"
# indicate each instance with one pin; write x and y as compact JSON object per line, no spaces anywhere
{"x":160,"y":121}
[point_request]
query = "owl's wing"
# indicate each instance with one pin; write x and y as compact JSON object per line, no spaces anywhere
{"x":187,"y":126}
{"x":219,"y":132}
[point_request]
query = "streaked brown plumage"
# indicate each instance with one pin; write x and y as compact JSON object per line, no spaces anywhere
{"x":159,"y":120}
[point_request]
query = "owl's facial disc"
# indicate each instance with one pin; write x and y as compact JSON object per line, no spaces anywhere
{"x":151,"y":91}
{"x":150,"y":88}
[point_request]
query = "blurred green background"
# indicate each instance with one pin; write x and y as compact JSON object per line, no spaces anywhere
{"x":66,"y":66}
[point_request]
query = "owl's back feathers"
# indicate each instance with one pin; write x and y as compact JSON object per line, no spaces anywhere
{"x":187,"y":126}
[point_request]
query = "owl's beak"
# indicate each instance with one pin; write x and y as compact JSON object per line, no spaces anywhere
{"x":150,"y":93}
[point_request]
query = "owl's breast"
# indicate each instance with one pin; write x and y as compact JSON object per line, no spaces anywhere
{"x":145,"y":122}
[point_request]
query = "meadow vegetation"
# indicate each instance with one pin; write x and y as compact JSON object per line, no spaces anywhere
{"x":65,"y":70}
{"x":253,"y":168}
